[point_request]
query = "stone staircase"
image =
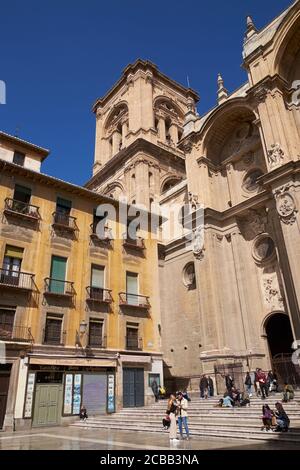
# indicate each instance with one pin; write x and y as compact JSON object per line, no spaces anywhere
{"x":205,"y":420}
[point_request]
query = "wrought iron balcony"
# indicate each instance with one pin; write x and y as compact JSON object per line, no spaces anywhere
{"x":21,"y":209}
{"x":98,"y":294}
{"x":133,"y":344}
{"x":136,"y":243}
{"x":16,"y":279}
{"x":134,"y":300}
{"x":57,"y":287}
{"x":97,"y":342}
{"x":63,"y":221}
{"x":57,"y":339}
{"x":107,"y":235}
{"x":15,"y":333}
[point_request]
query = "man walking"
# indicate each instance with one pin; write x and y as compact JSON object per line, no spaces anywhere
{"x":248,"y":384}
{"x":182,"y":415}
{"x":203,"y":385}
{"x":262,"y":380}
{"x":210,"y":386}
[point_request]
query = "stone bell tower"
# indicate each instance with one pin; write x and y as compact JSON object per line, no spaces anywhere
{"x":138,"y":125}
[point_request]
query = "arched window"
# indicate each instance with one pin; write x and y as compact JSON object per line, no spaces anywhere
{"x":170,"y":183}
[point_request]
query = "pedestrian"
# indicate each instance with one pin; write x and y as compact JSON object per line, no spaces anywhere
{"x":162,"y":392}
{"x":262,"y":380}
{"x":256,"y":382}
{"x":210,"y":386}
{"x":266,"y":418}
{"x":83,"y":413}
{"x":182,"y":415}
{"x":227,"y":401}
{"x":288,"y":393}
{"x":244,"y":399}
{"x":186,"y":395}
{"x":203,"y":385}
{"x":155,"y":389}
{"x":282,"y":419}
{"x":229,"y":382}
{"x":248,"y":384}
{"x":171,"y":412}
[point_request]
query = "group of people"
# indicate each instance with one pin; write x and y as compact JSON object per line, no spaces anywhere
{"x":277,"y":421}
{"x":206,"y":386}
{"x":176,"y":413}
{"x":263,"y":383}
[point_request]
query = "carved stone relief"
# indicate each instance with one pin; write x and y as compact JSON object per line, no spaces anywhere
{"x":271,"y":291}
{"x":275,"y":155}
{"x":285,"y":205}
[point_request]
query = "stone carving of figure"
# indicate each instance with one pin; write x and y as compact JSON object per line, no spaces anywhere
{"x":198,"y":240}
{"x":193,"y":201}
{"x":275,"y":155}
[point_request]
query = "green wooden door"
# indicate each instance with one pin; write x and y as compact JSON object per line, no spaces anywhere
{"x":48,"y":405}
{"x":58,"y":274}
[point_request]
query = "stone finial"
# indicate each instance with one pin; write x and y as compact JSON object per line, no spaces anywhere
{"x":222,"y":92}
{"x":251,"y":28}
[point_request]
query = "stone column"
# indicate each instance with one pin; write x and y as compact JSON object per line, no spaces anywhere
{"x":124,"y":132}
{"x":161,"y":129}
{"x":142,"y":177}
{"x":116,"y":141}
{"x":174,"y":133}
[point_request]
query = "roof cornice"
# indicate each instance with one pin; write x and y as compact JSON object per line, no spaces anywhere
{"x":144,"y":65}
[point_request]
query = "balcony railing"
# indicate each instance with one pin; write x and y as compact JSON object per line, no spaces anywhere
{"x":54,"y":340}
{"x":59,"y":288}
{"x":64,"y":221}
{"x":97,"y":294}
{"x":16,"y":279}
{"x":107,"y":235}
{"x":100,"y":342}
{"x":133,"y":344}
{"x":134,"y":300}
{"x":135,"y":243}
{"x":15,"y":333}
{"x":21,"y":209}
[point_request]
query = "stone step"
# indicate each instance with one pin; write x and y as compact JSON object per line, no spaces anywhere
{"x":234,"y":433}
{"x":295,"y":424}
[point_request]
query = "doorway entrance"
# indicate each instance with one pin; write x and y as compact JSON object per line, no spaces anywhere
{"x":48,"y":405}
{"x":4,"y":386}
{"x":133,"y":387}
{"x":280,"y":339}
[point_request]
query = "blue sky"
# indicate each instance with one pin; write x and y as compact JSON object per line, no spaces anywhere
{"x":57,"y":57}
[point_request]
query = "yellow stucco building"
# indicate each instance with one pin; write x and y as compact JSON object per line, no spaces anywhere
{"x":79,"y":318}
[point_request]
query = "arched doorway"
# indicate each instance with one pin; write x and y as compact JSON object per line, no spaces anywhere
{"x":280,"y":338}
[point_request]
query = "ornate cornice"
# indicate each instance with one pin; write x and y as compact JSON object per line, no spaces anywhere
{"x":139,"y":145}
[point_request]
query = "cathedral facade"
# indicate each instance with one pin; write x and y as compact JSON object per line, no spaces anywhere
{"x":231,"y":303}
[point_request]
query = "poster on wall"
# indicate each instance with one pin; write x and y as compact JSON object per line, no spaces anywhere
{"x":29,"y":396}
{"x":77,"y":394}
{"x":68,"y":394}
{"x":111,"y":393}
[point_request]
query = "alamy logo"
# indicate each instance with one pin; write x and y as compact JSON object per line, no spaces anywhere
{"x":2,"y":92}
{"x":2,"y":353}
{"x":296,"y":93}
{"x":296,"y":353}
